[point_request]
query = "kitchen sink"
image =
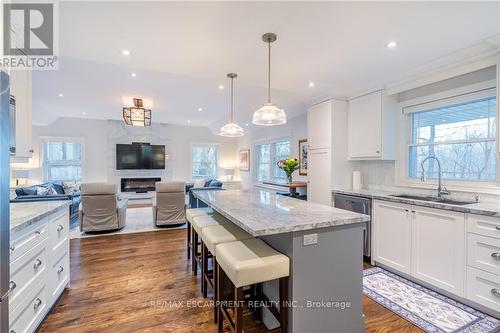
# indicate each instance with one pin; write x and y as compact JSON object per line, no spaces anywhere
{"x":433,"y":199}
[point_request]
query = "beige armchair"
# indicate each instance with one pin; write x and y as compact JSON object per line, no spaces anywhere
{"x":101,"y":208}
{"x":170,"y":207}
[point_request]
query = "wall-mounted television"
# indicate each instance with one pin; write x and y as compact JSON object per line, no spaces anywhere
{"x":139,"y":156}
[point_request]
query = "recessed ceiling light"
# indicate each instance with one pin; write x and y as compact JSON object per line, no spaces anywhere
{"x":391,"y":44}
{"x":189,"y":121}
{"x":221,"y":87}
{"x":247,"y":125}
{"x":126,"y":52}
{"x":84,"y":113}
{"x":311,"y":84}
{"x":200,"y":109}
{"x":133,"y":74}
{"x":60,"y":95}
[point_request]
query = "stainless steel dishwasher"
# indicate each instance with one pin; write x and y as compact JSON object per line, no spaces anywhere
{"x":358,"y":205}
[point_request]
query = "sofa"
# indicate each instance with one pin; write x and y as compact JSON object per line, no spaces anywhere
{"x":209,"y":185}
{"x":29,"y":194}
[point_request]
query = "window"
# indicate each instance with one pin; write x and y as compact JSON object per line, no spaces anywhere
{"x":268,"y":155}
{"x":62,"y":160}
{"x":204,"y":160}
{"x":461,"y":136}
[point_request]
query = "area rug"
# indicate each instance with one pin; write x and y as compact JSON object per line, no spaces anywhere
{"x":138,"y":220}
{"x":423,"y":307}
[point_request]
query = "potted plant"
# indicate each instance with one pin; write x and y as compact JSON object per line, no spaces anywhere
{"x":289,"y":165}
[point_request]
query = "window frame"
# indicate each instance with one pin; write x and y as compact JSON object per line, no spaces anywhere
{"x":217,"y":157}
{"x":272,"y":155}
{"x":78,"y":140}
{"x":483,"y":90}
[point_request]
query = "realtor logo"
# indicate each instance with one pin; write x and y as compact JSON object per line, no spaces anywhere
{"x":29,"y":36}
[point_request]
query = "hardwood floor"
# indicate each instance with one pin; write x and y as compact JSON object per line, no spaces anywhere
{"x":123,"y":283}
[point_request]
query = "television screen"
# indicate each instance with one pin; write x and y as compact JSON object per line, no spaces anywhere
{"x":139,"y":156}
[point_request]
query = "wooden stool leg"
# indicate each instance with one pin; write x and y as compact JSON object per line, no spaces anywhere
{"x":239,"y":310}
{"x":215,"y":283}
{"x":283,"y":282}
{"x":188,"y":229}
{"x":194,"y":252}
{"x":220,"y":317}
{"x":204,"y":268}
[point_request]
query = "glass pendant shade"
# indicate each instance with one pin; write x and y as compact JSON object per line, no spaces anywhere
{"x":269,"y":115}
{"x":231,"y":130}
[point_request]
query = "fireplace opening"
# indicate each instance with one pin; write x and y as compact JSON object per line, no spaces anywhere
{"x":139,"y":185}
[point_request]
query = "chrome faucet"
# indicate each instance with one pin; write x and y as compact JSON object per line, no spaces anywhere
{"x":441,"y":189}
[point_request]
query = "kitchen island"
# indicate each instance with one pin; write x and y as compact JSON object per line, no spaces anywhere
{"x":325,"y":247}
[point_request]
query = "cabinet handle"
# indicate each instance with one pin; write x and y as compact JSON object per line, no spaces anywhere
{"x":406,"y":210}
{"x":12,"y":248}
{"x":12,"y":285}
{"x":496,"y":255}
{"x":413,"y":211}
{"x":38,"y":232}
{"x":378,"y":152}
{"x":37,"y":263}
{"x":60,"y":227}
{"x":37,"y":303}
{"x":12,"y":331}
{"x":497,"y":227}
{"x":496,"y":292}
{"x":59,"y":271}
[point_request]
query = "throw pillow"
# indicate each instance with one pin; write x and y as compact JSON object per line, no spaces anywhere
{"x":71,"y":188}
{"x":199,"y":183}
{"x":52,"y":191}
{"x":40,"y":190}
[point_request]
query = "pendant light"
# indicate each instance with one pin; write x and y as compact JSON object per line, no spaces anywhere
{"x":269,"y":114}
{"x":231,"y":129}
{"x":137,"y":115}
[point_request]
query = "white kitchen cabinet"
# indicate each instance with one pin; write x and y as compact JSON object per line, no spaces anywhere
{"x":438,"y":248}
{"x":319,"y":122}
{"x":372,"y":127}
{"x":392,"y":235}
{"x":319,"y":176}
{"x":21,"y":89}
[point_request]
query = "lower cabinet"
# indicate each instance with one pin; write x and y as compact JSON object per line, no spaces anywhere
{"x":438,"y":248}
{"x":455,"y":252}
{"x":39,"y":270}
{"x":392,"y":235}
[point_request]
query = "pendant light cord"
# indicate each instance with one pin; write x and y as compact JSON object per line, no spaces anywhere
{"x":269,"y":73}
{"x":232,"y":111}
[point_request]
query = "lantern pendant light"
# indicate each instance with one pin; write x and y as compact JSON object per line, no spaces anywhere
{"x":269,"y":114}
{"x":231,"y":129}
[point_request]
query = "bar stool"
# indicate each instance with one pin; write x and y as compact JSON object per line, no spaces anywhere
{"x":212,"y":236}
{"x":190,"y":214}
{"x":246,"y":263}
{"x":199,"y":222}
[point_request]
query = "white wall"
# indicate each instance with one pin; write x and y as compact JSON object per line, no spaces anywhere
{"x":295,"y":129}
{"x":101,"y":136}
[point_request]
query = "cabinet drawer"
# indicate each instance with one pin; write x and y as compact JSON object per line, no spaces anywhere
{"x":483,"y":253}
{"x":483,"y":288}
{"x":22,"y":241}
{"x":27,"y":315}
{"x":483,"y":225}
{"x":58,"y":229}
{"x":58,"y":276}
{"x":27,"y":271}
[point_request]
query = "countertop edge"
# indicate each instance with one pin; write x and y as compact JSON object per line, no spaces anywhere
{"x":471,"y":209}
{"x":29,"y":221}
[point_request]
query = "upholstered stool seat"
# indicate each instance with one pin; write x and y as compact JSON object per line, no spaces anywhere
{"x":192,"y":212}
{"x":250,"y":262}
{"x":219,"y":234}
{"x":203,"y":221}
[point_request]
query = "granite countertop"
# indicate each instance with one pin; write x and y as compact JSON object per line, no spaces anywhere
{"x":23,"y":214}
{"x":480,"y":208}
{"x":262,"y":212}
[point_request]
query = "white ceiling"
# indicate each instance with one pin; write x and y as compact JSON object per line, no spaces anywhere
{"x":181,"y":52}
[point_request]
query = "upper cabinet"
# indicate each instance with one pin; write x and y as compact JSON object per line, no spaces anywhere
{"x":21,"y":90}
{"x":319,"y":122}
{"x":372,"y":127}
